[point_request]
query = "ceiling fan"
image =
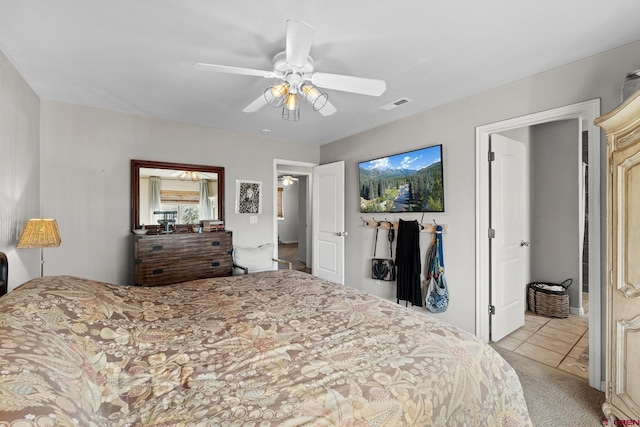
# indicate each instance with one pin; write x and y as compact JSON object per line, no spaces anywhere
{"x":294,"y":69}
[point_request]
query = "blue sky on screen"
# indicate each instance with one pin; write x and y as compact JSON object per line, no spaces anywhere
{"x":412,"y":160}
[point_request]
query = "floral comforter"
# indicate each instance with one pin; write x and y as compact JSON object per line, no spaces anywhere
{"x":279,"y":348}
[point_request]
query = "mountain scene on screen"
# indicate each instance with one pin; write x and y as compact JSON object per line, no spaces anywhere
{"x":408,"y":182}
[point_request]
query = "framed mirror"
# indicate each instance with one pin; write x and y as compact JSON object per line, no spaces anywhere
{"x":193,"y":192}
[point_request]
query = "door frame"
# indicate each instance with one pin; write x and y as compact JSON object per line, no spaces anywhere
{"x":586,"y":112}
{"x":294,"y":167}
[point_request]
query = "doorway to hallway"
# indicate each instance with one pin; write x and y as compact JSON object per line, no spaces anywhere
{"x":586,"y":113}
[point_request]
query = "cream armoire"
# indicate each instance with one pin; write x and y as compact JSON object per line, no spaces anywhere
{"x":622,"y":127}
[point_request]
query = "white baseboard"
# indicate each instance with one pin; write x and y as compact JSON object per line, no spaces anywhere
{"x":576,"y":311}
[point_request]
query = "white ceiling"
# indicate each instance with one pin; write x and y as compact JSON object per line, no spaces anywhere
{"x":136,"y":56}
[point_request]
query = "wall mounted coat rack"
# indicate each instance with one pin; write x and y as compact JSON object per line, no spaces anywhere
{"x":385,"y":224}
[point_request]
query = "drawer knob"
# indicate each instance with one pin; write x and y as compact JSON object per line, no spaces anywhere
{"x":157,"y":271}
{"x":216,"y":243}
{"x":215,"y":264}
{"x":157,"y":248}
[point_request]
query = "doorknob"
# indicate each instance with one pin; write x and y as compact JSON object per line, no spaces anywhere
{"x":341,"y":233}
{"x":523,"y":243}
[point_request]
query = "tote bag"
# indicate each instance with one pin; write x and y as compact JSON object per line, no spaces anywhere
{"x":437,"y":292}
{"x":437,"y":299}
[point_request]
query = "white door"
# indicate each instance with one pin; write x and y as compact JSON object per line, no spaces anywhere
{"x":328,"y":222}
{"x":509,"y":247}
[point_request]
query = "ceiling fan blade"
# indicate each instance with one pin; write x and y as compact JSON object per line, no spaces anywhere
{"x":328,"y":109}
{"x":299,"y":38}
{"x":359,"y":85}
{"x":234,"y":70}
{"x":260,"y":102}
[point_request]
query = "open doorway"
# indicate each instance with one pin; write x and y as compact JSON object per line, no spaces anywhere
{"x":547,"y":238}
{"x":293,"y":200}
{"x":585,"y":113}
{"x":292,"y":210}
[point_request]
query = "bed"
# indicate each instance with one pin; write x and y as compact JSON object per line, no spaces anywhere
{"x":275,"y":348}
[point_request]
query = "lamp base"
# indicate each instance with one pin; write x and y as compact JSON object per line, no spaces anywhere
{"x":41,"y":263}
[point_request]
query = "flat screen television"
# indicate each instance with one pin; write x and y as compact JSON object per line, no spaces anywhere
{"x":405,"y":182}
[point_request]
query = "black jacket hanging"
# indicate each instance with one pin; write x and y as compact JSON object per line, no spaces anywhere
{"x":408,"y":263}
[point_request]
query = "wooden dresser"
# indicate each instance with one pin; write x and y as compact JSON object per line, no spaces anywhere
{"x":622,"y":127}
{"x":172,"y":258}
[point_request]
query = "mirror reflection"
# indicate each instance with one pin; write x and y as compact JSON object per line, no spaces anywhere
{"x":184,"y":193}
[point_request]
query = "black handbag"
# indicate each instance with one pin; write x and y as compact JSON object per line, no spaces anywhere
{"x":383,"y":268}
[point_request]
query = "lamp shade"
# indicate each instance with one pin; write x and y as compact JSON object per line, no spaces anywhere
{"x":291,"y":109}
{"x":40,"y":233}
{"x":276,"y":94}
{"x":314,"y":97}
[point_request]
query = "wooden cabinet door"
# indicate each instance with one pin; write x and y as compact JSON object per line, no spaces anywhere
{"x":622,"y":127}
{"x":624,"y":287}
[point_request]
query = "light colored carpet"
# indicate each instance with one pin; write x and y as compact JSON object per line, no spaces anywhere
{"x":554,"y":397}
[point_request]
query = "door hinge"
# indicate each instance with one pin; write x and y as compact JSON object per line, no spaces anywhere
{"x":492,"y":309}
{"x":492,"y":233}
{"x":492,"y":156}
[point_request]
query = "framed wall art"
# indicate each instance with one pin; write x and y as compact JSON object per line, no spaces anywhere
{"x":248,"y":197}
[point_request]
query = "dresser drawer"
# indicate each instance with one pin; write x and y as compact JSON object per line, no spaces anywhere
{"x":153,"y":273}
{"x":185,"y":246}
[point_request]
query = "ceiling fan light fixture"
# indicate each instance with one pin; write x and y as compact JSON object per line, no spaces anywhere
{"x":275,"y":95}
{"x":294,"y":71}
{"x":291,"y":109}
{"x":189,"y":175}
{"x":287,"y":181}
{"x":314,"y":97}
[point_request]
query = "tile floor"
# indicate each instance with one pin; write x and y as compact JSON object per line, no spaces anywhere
{"x":555,"y":342}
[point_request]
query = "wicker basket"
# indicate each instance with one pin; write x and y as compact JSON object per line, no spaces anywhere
{"x":546,"y":302}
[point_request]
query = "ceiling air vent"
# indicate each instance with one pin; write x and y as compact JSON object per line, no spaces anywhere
{"x":395,"y":104}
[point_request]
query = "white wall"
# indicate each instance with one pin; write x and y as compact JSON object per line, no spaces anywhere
{"x":453,"y":125}
{"x":19,"y":171}
{"x":85,"y":162}
{"x":555,"y":254}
